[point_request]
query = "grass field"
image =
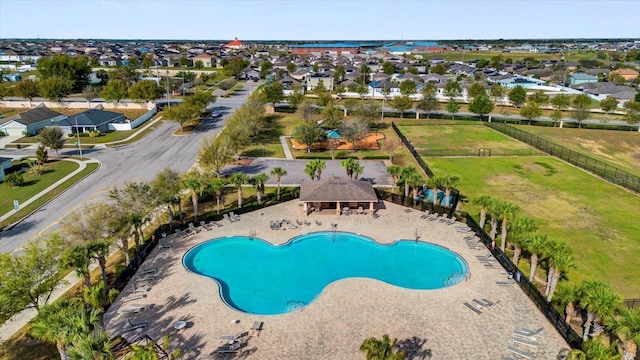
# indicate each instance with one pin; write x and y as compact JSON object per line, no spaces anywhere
{"x":618,"y":148}
{"x":468,"y":137}
{"x":472,"y":55}
{"x":53,"y":172}
{"x":594,"y":217}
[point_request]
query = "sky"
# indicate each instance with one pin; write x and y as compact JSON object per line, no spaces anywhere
{"x":319,"y":20}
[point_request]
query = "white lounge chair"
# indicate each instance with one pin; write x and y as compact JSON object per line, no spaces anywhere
{"x":529,"y":333}
{"x":132,"y":297}
{"x":215,"y":223}
{"x":475,"y":309}
{"x":234,"y":216}
{"x":451,"y":221}
{"x":204,"y":226}
{"x":193,"y":228}
{"x":525,"y":342}
{"x":523,"y":353}
{"x":135,"y":288}
{"x":235,"y":337}
{"x":226,"y":217}
{"x":184,"y":234}
{"x":162,"y":245}
{"x":129,"y":325}
{"x":256,"y":328}
{"x":505,"y":283}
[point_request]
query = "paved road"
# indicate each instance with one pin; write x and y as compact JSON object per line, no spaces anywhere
{"x":139,"y":161}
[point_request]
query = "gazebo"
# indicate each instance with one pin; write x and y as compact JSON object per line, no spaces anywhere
{"x":337,"y":193}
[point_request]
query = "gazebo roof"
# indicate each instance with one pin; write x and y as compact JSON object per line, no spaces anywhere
{"x":333,"y":189}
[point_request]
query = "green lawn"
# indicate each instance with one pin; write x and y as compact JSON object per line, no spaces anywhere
{"x":54,"y":171}
{"x":618,"y":148}
{"x":594,"y":217}
{"x":469,"y":137}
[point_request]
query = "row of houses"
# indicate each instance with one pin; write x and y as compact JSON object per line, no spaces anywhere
{"x":34,"y":120}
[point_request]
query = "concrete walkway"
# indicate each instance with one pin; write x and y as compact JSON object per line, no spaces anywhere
{"x":285,"y":147}
{"x":81,"y":166}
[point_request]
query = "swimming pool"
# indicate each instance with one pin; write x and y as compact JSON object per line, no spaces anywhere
{"x":259,"y":278}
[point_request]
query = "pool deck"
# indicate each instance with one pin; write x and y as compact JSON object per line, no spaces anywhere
{"x":431,"y":324}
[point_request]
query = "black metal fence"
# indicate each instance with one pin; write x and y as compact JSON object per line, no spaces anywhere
{"x":554,"y":317}
{"x":477,"y":152}
{"x":419,"y":205}
{"x":607,"y":172}
{"x":412,"y":150}
{"x":631,"y":303}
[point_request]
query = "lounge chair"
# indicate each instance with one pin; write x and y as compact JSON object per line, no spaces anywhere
{"x":525,"y":342}
{"x":193,"y":227}
{"x":505,"y":283}
{"x":425,"y":215}
{"x":226,"y":217}
{"x":451,"y":221}
{"x":473,"y":308}
{"x":132,"y":297}
{"x":235,"y":337}
{"x":528,"y":332}
{"x":444,"y":218}
{"x":489,"y":303}
{"x":134,"y":309}
{"x":129,"y":325}
{"x":225,"y":349}
{"x":135,"y":288}
{"x":204,"y":226}
{"x":234,"y":216}
{"x":143,"y":277}
{"x":256,"y":328}
{"x":162,"y":245}
{"x":182,"y":234}
{"x":318,"y":223}
{"x":147,"y":270}
{"x":215,"y":223}
{"x":525,"y":354}
{"x":407,"y":210}
{"x":299,"y":222}
{"x":488,"y":256}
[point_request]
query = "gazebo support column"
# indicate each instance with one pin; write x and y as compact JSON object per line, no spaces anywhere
{"x":338,"y":207}
{"x":371,"y":206}
{"x":305,"y":207}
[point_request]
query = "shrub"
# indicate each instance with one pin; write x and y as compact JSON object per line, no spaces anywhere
{"x":14,"y":179}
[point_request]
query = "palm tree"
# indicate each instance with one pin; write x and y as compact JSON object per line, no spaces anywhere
{"x":493,"y":210}
{"x":595,"y":350}
{"x":95,"y":346}
{"x":415,"y":181}
{"x":258,"y":181}
{"x":434,"y":183}
{"x":560,"y":261}
{"x":60,"y":322}
{"x":194,"y":182}
{"x":406,"y":173}
{"x":536,"y":245}
{"x":77,"y":257}
{"x":166,"y":188}
{"x":395,"y":172}
{"x":483,"y":201}
{"x":376,"y":349}
{"x":600,"y":302}
{"x":519,"y":230}
{"x":238,"y":179}
{"x":626,"y":325}
{"x":357,"y":170}
{"x":278,"y":172}
{"x":568,"y":294}
{"x":310,"y":170}
{"x":217,"y":186}
{"x":449,"y":182}
{"x":318,"y":165}
{"x":505,"y":211}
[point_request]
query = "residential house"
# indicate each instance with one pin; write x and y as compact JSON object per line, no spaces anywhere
{"x":627,"y":74}
{"x":313,"y":81}
{"x":383,"y":88}
{"x":301,"y":74}
{"x":90,"y":120}
{"x":30,"y":121}
{"x":5,"y":163}
{"x":581,"y":78}
{"x":207,"y":60}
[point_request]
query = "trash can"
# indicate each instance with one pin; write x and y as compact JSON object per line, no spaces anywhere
{"x":18,"y":146}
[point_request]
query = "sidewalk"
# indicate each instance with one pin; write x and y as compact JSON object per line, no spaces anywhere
{"x":82,"y":166}
{"x":285,"y":148}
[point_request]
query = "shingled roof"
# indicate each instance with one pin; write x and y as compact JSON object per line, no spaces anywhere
{"x":33,"y":116}
{"x":333,"y":189}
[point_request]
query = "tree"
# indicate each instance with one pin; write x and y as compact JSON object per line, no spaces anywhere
{"x":600,"y":301}
{"x":74,"y":69}
{"x":402,"y":104}
{"x":481,"y":105}
{"x":166,"y":189}
{"x":55,"y":88}
{"x":308,"y":134}
{"x":483,"y":202}
{"x":147,"y":61}
{"x":632,"y":114}
{"x":132,"y":204}
{"x":238,"y":179}
{"x":278,"y":172}
{"x":14,"y":179}
{"x":385,"y":349}
{"x":27,"y":89}
{"x":42,"y":154}
{"x":390,"y":146}
{"x":86,"y":229}
{"x":439,"y":69}
{"x":608,"y":104}
{"x":351,"y":166}
{"x":539,"y":97}
{"x":395,"y":172}
{"x":305,"y":111}
{"x":332,"y":116}
{"x":504,"y":211}
{"x":453,"y":107}
{"x":626,"y":325}
{"x":29,"y":278}
{"x":235,"y":66}
{"x":115,"y":90}
{"x":199,"y":101}
{"x":272,"y":93}
{"x":388,"y":68}
{"x":296,"y":98}
{"x":63,"y":322}
{"x":520,"y":229}
{"x":476,"y":89}
{"x":561,"y":102}
{"x":448,"y":182}
{"x":214,"y":154}
{"x":531,"y":111}
{"x":364,"y":72}
{"x":89,"y":93}
{"x":452,"y":89}
{"x":52,"y":137}
{"x":496,"y":92}
{"x":560,"y":261}
{"x":227,"y":84}
{"x":408,"y":88}
{"x":537,"y":246}
{"x":518,"y":95}
{"x":368,"y":111}
{"x":405,"y":173}
{"x":428,"y":102}
{"x":146,"y":90}
{"x":182,"y":113}
{"x":217,"y":185}
{"x":258,"y":181}
{"x":95,"y":345}
{"x":581,"y":105}
{"x":194,"y":182}
{"x":556,"y":116}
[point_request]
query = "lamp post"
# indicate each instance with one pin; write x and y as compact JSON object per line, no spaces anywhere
{"x":78,"y":137}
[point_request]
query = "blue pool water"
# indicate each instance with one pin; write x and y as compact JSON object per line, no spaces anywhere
{"x":259,"y":278}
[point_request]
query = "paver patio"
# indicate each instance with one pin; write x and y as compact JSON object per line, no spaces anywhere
{"x":432,"y":324}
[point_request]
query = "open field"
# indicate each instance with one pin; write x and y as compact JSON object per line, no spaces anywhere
{"x":618,"y":148}
{"x":468,"y":137}
{"x":472,"y":55}
{"x":568,"y":204}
